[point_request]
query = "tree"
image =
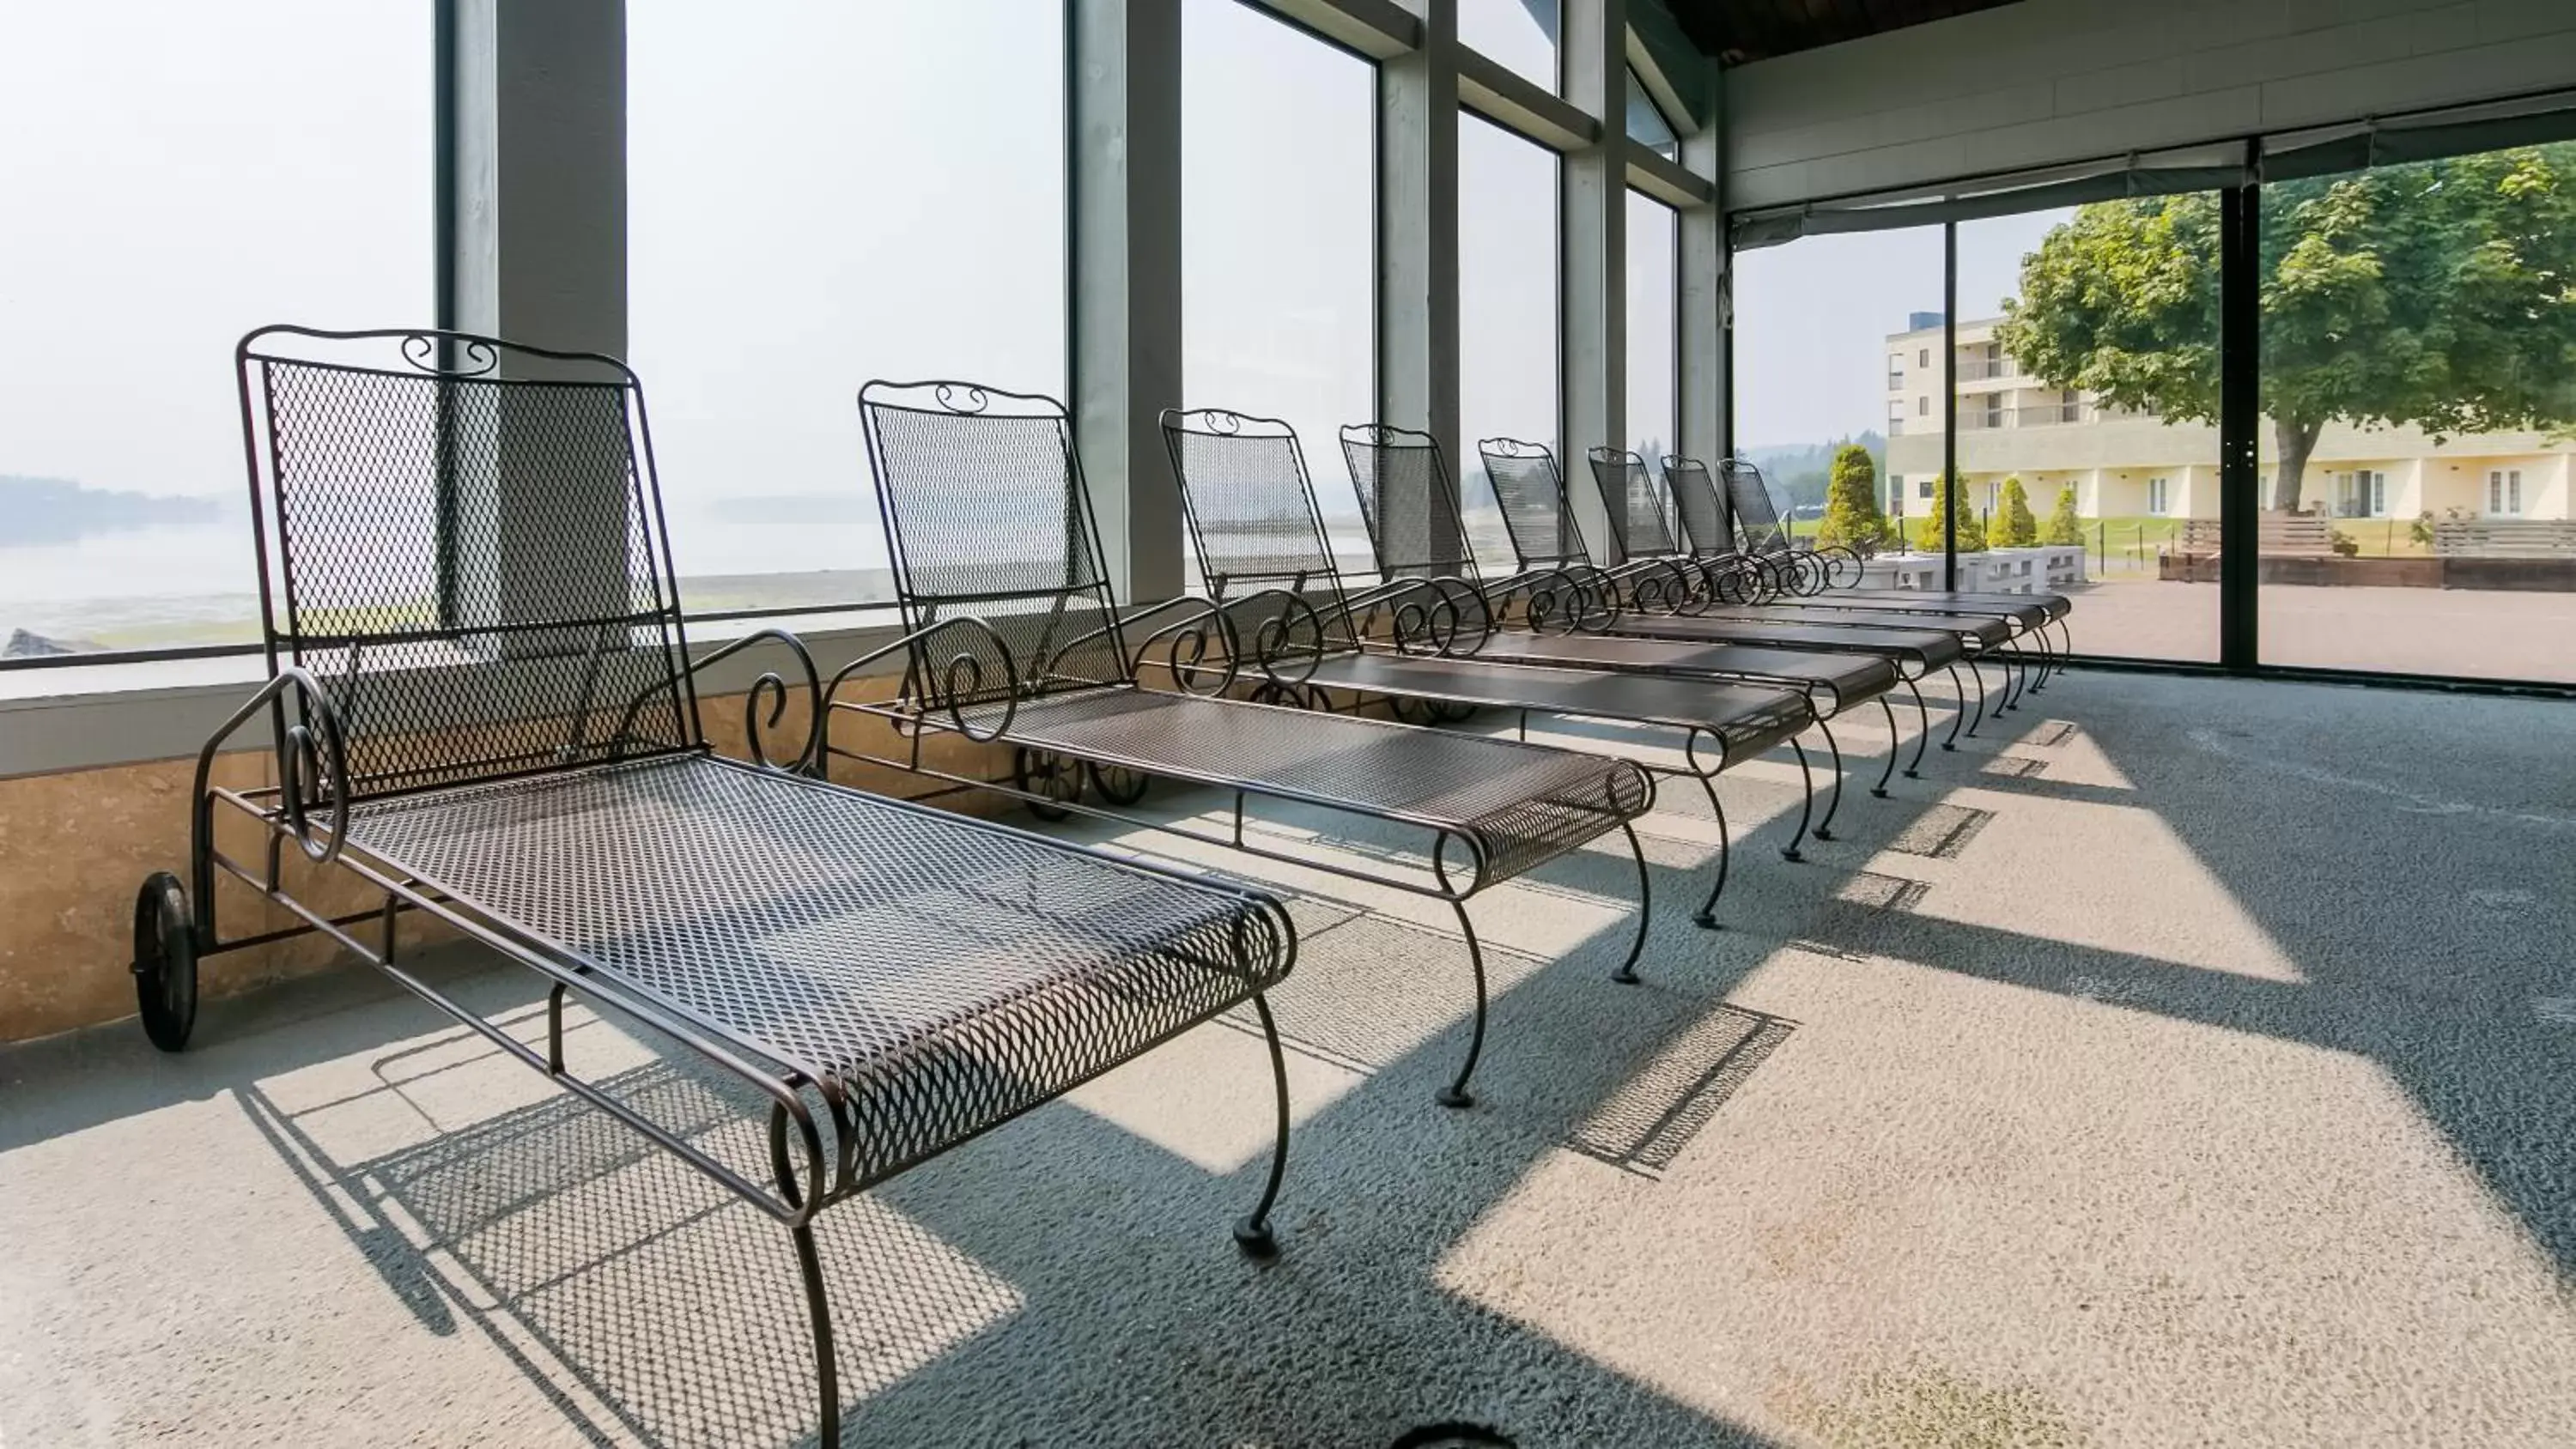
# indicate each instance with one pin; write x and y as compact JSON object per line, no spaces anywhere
{"x":2063,"y":526}
{"x":1851,"y":501}
{"x":2434,"y":294}
{"x":1927,"y":536}
{"x":2013,"y":524}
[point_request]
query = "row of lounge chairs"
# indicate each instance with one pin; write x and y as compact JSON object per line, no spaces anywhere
{"x":483,"y":706}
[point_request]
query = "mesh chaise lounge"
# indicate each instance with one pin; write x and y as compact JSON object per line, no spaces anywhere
{"x":1265,"y":554}
{"x":484,"y":710}
{"x":1410,"y":503}
{"x":997,"y":558}
{"x":1744,"y":523}
{"x":1543,"y":529}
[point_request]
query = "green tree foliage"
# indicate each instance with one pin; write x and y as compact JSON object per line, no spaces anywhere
{"x":2435,"y":294}
{"x":2063,"y":526}
{"x":2013,"y":524}
{"x":1851,"y":517}
{"x":1927,"y":534}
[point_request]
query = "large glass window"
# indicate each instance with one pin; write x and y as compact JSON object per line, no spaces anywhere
{"x":2419,"y":418}
{"x":1278,"y":261}
{"x":1817,"y":322}
{"x":815,"y":200}
{"x":1507,"y":311}
{"x":1519,"y":33}
{"x":1646,"y":124}
{"x":177,"y":174}
{"x":1654,"y":314}
{"x":2088,"y":411}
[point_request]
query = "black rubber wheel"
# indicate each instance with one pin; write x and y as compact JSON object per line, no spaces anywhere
{"x":1050,"y":775}
{"x":165,"y":961}
{"x":1408,"y":710}
{"x":1450,"y":712}
{"x":1116,"y":783}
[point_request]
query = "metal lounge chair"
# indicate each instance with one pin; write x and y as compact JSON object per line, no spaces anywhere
{"x":992,"y":537}
{"x":1830,"y":575}
{"x":1915,"y":646}
{"x":483,"y":709}
{"x":1410,"y":503}
{"x":1265,"y":554}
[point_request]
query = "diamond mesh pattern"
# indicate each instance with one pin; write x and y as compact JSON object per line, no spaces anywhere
{"x":472,"y":564}
{"x":1533,"y":502}
{"x":1251,"y":510}
{"x":1701,"y":508}
{"x":1409,"y":502}
{"x":1521,"y":804}
{"x":1749,"y":498}
{"x":986,"y":517}
{"x":944,"y":973}
{"x":1634,"y":504}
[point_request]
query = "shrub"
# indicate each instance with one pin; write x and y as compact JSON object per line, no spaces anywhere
{"x":2063,"y":526}
{"x":1851,"y":502}
{"x":2013,"y":526}
{"x":1927,"y":536}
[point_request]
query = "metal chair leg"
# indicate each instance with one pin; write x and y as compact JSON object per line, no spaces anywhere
{"x":1706,"y":920}
{"x":1456,"y":1094}
{"x":1626,"y":975}
{"x":1923,"y":723}
{"x":1895,"y":745}
{"x":1958,"y":716}
{"x":1806,"y":806}
{"x":1834,"y":801}
{"x":1252,"y":1234}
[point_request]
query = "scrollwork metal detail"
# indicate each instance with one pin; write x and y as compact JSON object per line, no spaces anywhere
{"x":962,"y":398}
{"x":450,"y":356}
{"x":964,"y":682}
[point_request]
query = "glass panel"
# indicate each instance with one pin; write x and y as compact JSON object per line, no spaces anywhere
{"x":1646,"y":124}
{"x":185,"y":190}
{"x":1507,"y":312}
{"x":1521,"y":34}
{"x":1827,"y":333}
{"x":795,"y":229}
{"x":2088,"y":391}
{"x":2419,"y":513}
{"x":1278,"y":257}
{"x":1654,"y":314}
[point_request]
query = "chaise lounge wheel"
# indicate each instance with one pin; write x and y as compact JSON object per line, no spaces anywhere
{"x":165,"y":961}
{"x":1116,"y":783}
{"x":1046,"y":778}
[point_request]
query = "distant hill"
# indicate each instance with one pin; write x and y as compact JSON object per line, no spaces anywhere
{"x":58,"y":510}
{"x":1797,"y":471}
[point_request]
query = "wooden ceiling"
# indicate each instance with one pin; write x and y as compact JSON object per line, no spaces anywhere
{"x":1736,"y":31}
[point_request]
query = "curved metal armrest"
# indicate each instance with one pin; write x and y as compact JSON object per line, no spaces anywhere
{"x":965,"y":678}
{"x":1274,"y":639}
{"x":314,"y":746}
{"x":1185,"y":643}
{"x":1656,"y":585}
{"x":1442,"y":621}
{"x":1833,"y":554}
{"x":768,"y":684}
{"x":1579,"y":594}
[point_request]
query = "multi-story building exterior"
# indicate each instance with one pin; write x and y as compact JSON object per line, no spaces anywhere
{"x":2127,"y":464}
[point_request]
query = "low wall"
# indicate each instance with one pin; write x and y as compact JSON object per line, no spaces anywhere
{"x":78,"y":844}
{"x":1993,"y":571}
{"x":2543,"y":576}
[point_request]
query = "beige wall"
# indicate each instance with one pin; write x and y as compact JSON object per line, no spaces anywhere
{"x":77,"y":845}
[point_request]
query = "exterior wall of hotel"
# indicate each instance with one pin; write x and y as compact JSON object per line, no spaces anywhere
{"x":2110,"y":458}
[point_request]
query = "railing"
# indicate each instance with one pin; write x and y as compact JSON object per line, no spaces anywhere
{"x":2037,"y":415}
{"x":2505,"y":538}
{"x":1978,"y":369}
{"x":2276,"y":535}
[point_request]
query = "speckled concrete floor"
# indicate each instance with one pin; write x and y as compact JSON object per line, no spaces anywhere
{"x":2211,"y":1081}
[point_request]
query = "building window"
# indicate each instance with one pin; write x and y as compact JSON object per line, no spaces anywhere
{"x":1922,"y":487}
{"x":1647,"y":124}
{"x":2504,"y":492}
{"x":2361,"y":494}
{"x":1923,"y":359}
{"x":1923,"y":407}
{"x":1896,"y":372}
{"x":1895,"y":416}
{"x":2159,"y":497}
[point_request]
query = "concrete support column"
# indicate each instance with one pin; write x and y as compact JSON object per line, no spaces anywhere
{"x":1417,"y":233}
{"x":539,"y":238}
{"x":1705,"y":300}
{"x":1593,"y":362}
{"x":1125,"y":95}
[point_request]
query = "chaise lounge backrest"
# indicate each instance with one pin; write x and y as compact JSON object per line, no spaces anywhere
{"x":1700,"y":507}
{"x":1748,"y":498}
{"x":1635,"y":506}
{"x":462,"y":539}
{"x":1536,"y":511}
{"x":986,"y":517}
{"x":1409,"y":500}
{"x":1253,"y":514}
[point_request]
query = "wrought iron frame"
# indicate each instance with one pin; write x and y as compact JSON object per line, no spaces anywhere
{"x":1202,"y":655}
{"x":1393,"y":622}
{"x":176,"y":925}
